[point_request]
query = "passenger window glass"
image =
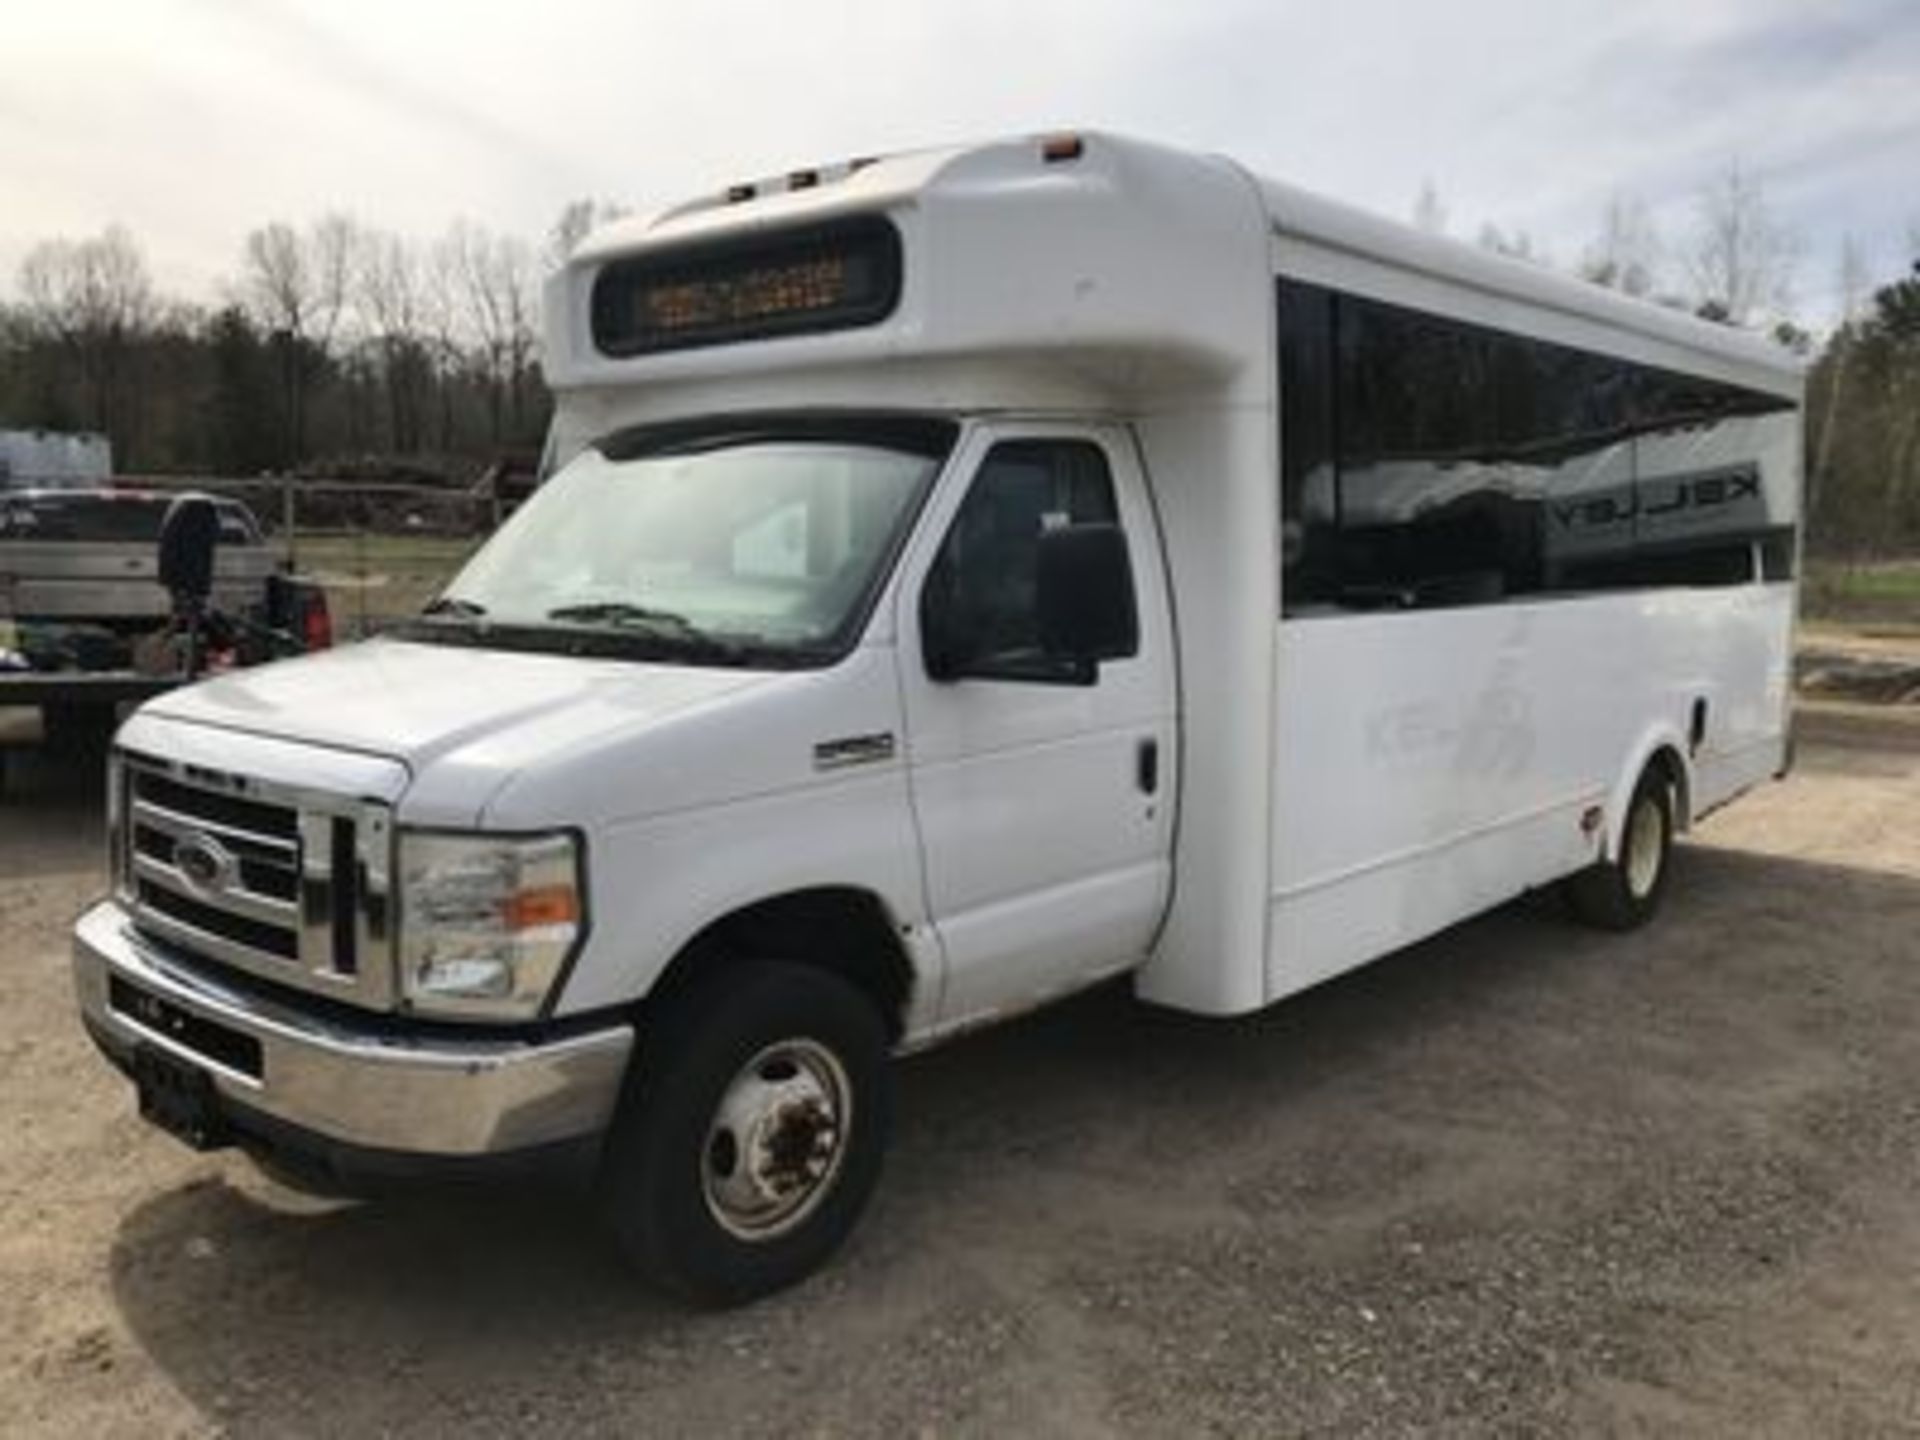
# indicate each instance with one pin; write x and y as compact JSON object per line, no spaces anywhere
{"x":1309,"y":509}
{"x":1428,"y":462}
{"x":981,"y":599}
{"x":1426,"y":515}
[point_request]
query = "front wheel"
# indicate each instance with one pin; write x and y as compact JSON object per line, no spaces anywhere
{"x":751,"y":1134}
{"x":1623,"y":893}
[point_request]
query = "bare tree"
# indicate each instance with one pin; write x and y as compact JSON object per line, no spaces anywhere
{"x":576,"y":220}
{"x":277,"y":287}
{"x":80,"y":286}
{"x":365,"y":341}
{"x":443,"y":316}
{"x":1626,"y":254}
{"x":1853,"y":286}
{"x":497,"y":279}
{"x":1429,"y":211}
{"x":273,"y":276}
{"x":390,"y":302}
{"x":332,"y":245}
{"x":1741,"y":259}
{"x":94,"y":298}
{"x":297,"y":286}
{"x":1514,"y":244}
{"x":521,"y":288}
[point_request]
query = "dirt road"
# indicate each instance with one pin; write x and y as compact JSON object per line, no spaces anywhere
{"x":1519,"y":1178}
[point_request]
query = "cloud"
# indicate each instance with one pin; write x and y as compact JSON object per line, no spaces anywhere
{"x":195,"y":120}
{"x":290,"y":39}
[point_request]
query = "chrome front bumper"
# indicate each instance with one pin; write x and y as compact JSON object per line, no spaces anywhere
{"x":351,"y":1085}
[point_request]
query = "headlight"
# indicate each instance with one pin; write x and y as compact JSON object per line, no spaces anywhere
{"x":486,"y":922}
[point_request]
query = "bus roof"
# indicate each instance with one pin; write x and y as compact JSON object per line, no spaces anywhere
{"x":1302,"y":215}
{"x":1106,"y":168}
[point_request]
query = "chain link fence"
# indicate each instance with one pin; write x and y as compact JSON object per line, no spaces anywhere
{"x":381,"y":550}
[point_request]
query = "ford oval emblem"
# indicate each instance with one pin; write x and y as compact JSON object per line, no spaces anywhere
{"x":204,"y":863}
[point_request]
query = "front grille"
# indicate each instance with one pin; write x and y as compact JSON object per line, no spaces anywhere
{"x":217,"y":920}
{"x":281,"y":883}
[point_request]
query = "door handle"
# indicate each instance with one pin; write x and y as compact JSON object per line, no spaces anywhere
{"x":1146,"y":766}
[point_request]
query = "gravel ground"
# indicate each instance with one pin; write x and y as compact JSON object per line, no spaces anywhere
{"x":1521,"y":1178}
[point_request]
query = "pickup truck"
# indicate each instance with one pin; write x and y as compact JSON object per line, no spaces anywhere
{"x":85,"y":625}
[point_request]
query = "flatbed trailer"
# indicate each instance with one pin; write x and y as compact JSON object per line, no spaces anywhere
{"x":83,"y":687}
{"x":81,"y":603}
{"x":95,"y":692}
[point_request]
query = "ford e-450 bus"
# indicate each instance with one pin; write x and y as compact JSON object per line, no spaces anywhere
{"x":966,"y":576}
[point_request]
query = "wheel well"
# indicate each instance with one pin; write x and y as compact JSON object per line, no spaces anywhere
{"x":1666,"y":762}
{"x":839,"y":929}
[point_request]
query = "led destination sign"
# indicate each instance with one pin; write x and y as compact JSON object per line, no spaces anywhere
{"x":829,"y":277}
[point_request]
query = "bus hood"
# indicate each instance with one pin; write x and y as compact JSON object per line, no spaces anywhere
{"x":466,"y":722}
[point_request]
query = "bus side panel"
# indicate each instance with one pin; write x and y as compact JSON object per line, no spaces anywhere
{"x":1431,"y":764}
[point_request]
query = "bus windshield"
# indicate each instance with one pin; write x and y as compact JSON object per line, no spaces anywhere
{"x":769,"y":541}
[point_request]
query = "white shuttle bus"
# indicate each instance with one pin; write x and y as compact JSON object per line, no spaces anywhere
{"x":968,"y":575}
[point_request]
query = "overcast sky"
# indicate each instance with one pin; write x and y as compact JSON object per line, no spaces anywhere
{"x":192,"y":121}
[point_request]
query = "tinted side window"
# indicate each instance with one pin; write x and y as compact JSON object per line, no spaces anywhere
{"x":1309,"y":496}
{"x":1561,"y":425}
{"x":981,"y":592}
{"x":1426,"y":462}
{"x":1427,"y":513}
{"x":1698,"y":477}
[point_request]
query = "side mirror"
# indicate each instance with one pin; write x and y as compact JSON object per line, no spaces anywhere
{"x":944,"y":647}
{"x":1084,"y":594}
{"x":187,"y":536}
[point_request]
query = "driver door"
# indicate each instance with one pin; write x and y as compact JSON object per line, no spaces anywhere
{"x":1043,"y":792}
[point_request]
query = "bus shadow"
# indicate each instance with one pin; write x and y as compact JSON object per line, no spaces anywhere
{"x":1100,"y":1123}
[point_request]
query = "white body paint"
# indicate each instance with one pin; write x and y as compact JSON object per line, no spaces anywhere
{"x":1330,"y":787}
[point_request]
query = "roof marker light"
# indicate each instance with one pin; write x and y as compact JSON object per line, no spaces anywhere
{"x":738,"y":193}
{"x":803,"y":179}
{"x":1056,"y":148}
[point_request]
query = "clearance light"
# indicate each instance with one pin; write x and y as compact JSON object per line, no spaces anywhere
{"x":1056,"y":148}
{"x":803,"y":179}
{"x":738,"y":193}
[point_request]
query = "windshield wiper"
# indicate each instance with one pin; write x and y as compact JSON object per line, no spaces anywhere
{"x":624,"y":612}
{"x":661,"y":624}
{"x":454,"y":605}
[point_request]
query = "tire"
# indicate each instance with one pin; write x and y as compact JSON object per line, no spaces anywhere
{"x":1623,"y":893}
{"x":787,"y":1053}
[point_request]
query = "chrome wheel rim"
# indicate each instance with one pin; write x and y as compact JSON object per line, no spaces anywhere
{"x":777,"y":1140}
{"x":1643,"y":848}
